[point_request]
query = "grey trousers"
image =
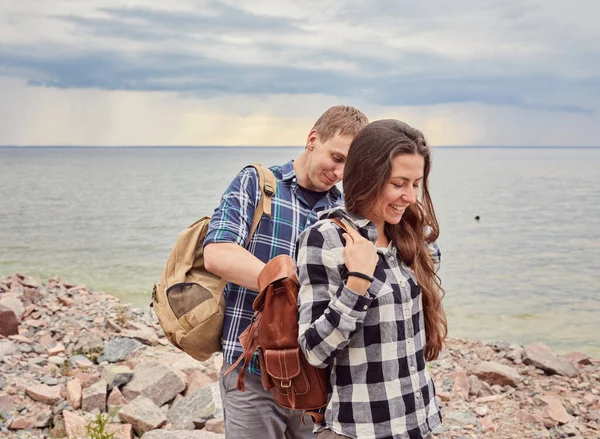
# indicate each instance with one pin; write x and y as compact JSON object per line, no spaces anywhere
{"x":254,"y":415}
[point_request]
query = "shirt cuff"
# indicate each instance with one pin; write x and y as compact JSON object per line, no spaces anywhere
{"x":223,"y":235}
{"x":351,"y":303}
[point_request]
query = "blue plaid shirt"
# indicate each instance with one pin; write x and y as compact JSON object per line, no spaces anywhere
{"x":232,"y":221}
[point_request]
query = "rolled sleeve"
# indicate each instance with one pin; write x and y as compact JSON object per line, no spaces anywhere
{"x":232,"y":219}
{"x":350,"y":303}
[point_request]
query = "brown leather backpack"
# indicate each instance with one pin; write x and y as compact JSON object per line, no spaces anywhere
{"x":293,"y":381}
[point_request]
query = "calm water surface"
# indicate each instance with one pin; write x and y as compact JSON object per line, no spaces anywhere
{"x":527,"y":271}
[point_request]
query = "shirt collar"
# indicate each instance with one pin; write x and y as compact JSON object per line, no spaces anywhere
{"x":287,"y":171}
{"x":366,"y":228}
{"x":288,"y":174}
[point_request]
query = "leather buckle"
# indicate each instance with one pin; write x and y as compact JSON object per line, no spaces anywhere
{"x":269,"y":191}
{"x":286,"y":384}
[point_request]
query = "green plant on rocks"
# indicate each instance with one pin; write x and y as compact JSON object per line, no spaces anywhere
{"x":58,"y":433}
{"x":91,"y":354}
{"x":122,"y":315}
{"x":66,"y":369}
{"x":97,"y":428}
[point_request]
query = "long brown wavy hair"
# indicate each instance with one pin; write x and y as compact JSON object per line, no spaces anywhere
{"x":368,"y":169}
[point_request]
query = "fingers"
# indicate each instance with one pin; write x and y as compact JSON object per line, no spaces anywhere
{"x":349,"y":240}
{"x":354,"y":233}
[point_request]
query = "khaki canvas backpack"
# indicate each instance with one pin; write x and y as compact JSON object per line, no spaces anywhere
{"x":188,"y":300}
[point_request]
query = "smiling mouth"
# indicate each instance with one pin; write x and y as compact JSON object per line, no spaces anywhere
{"x":330,"y":180}
{"x":398,"y":208}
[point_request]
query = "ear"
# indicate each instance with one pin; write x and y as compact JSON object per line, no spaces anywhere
{"x":313,"y":136}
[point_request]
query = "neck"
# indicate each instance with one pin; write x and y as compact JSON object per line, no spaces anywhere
{"x":301,"y":169}
{"x":382,"y":239}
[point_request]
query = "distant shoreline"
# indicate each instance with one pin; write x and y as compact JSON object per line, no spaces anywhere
{"x":272,"y":147}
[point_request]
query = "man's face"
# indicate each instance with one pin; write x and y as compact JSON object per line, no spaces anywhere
{"x":326,"y":160}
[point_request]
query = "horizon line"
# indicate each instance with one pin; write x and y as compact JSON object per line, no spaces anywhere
{"x":277,"y":147}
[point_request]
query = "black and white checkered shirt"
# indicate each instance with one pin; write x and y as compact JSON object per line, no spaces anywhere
{"x":373,"y":345}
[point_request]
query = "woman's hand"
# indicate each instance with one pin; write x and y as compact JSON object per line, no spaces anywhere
{"x":360,"y":255}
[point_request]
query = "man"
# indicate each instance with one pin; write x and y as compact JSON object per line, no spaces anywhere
{"x":305,"y":187}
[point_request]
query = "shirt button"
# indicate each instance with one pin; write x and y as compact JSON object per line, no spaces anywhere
{"x":294,"y":179}
{"x":391,"y":258}
{"x":413,"y":368}
{"x":417,"y":396}
{"x":409,"y":341}
{"x":403,"y":283}
{"x":365,"y":307}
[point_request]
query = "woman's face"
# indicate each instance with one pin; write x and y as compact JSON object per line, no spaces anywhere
{"x":401,"y":190}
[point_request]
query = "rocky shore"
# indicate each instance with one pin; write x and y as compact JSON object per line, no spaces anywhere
{"x":78,"y":363}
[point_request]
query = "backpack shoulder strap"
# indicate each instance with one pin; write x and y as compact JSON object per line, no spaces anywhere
{"x":340,"y":223}
{"x":268,"y":187}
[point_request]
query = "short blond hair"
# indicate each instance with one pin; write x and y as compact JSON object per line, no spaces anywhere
{"x":340,"y":119}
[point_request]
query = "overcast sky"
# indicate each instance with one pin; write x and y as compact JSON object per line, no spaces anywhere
{"x":466,"y":72}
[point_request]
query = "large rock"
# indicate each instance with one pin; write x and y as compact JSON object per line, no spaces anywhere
{"x":554,"y":409}
{"x":460,"y":417}
{"x":578,"y":358}
{"x":116,"y":398}
{"x":143,"y":415}
{"x":119,"y":349}
{"x":6,"y":403}
{"x":42,"y":416}
{"x":46,"y":394}
{"x":81,"y":361}
{"x":215,"y":425}
{"x":21,"y":423}
{"x":196,"y":380}
{"x":7,"y":348}
{"x":199,"y":407}
{"x":146,"y":336}
{"x":496,"y":373}
{"x":545,"y":359}
{"x":155,"y":381}
{"x":187,"y":365}
{"x":75,"y":427}
{"x":74,"y":393}
{"x":181,"y":434}
{"x":9,"y":324}
{"x":116,"y":376}
{"x":89,"y":342}
{"x":14,"y":304}
{"x":461,"y":384}
{"x":94,"y":397}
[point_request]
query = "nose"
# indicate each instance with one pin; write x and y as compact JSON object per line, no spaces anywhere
{"x":339,"y":172}
{"x":411,"y":194}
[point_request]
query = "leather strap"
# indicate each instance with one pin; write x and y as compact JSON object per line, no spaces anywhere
{"x":249,"y":341}
{"x":268,"y":187}
{"x":317,"y":416}
{"x":340,"y":223}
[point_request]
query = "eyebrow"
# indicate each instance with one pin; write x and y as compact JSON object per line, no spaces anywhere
{"x":406,"y":178}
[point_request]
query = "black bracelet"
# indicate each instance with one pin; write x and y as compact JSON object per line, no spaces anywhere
{"x":360,"y":275}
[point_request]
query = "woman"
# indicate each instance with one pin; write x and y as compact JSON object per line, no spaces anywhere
{"x":370,"y":301}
